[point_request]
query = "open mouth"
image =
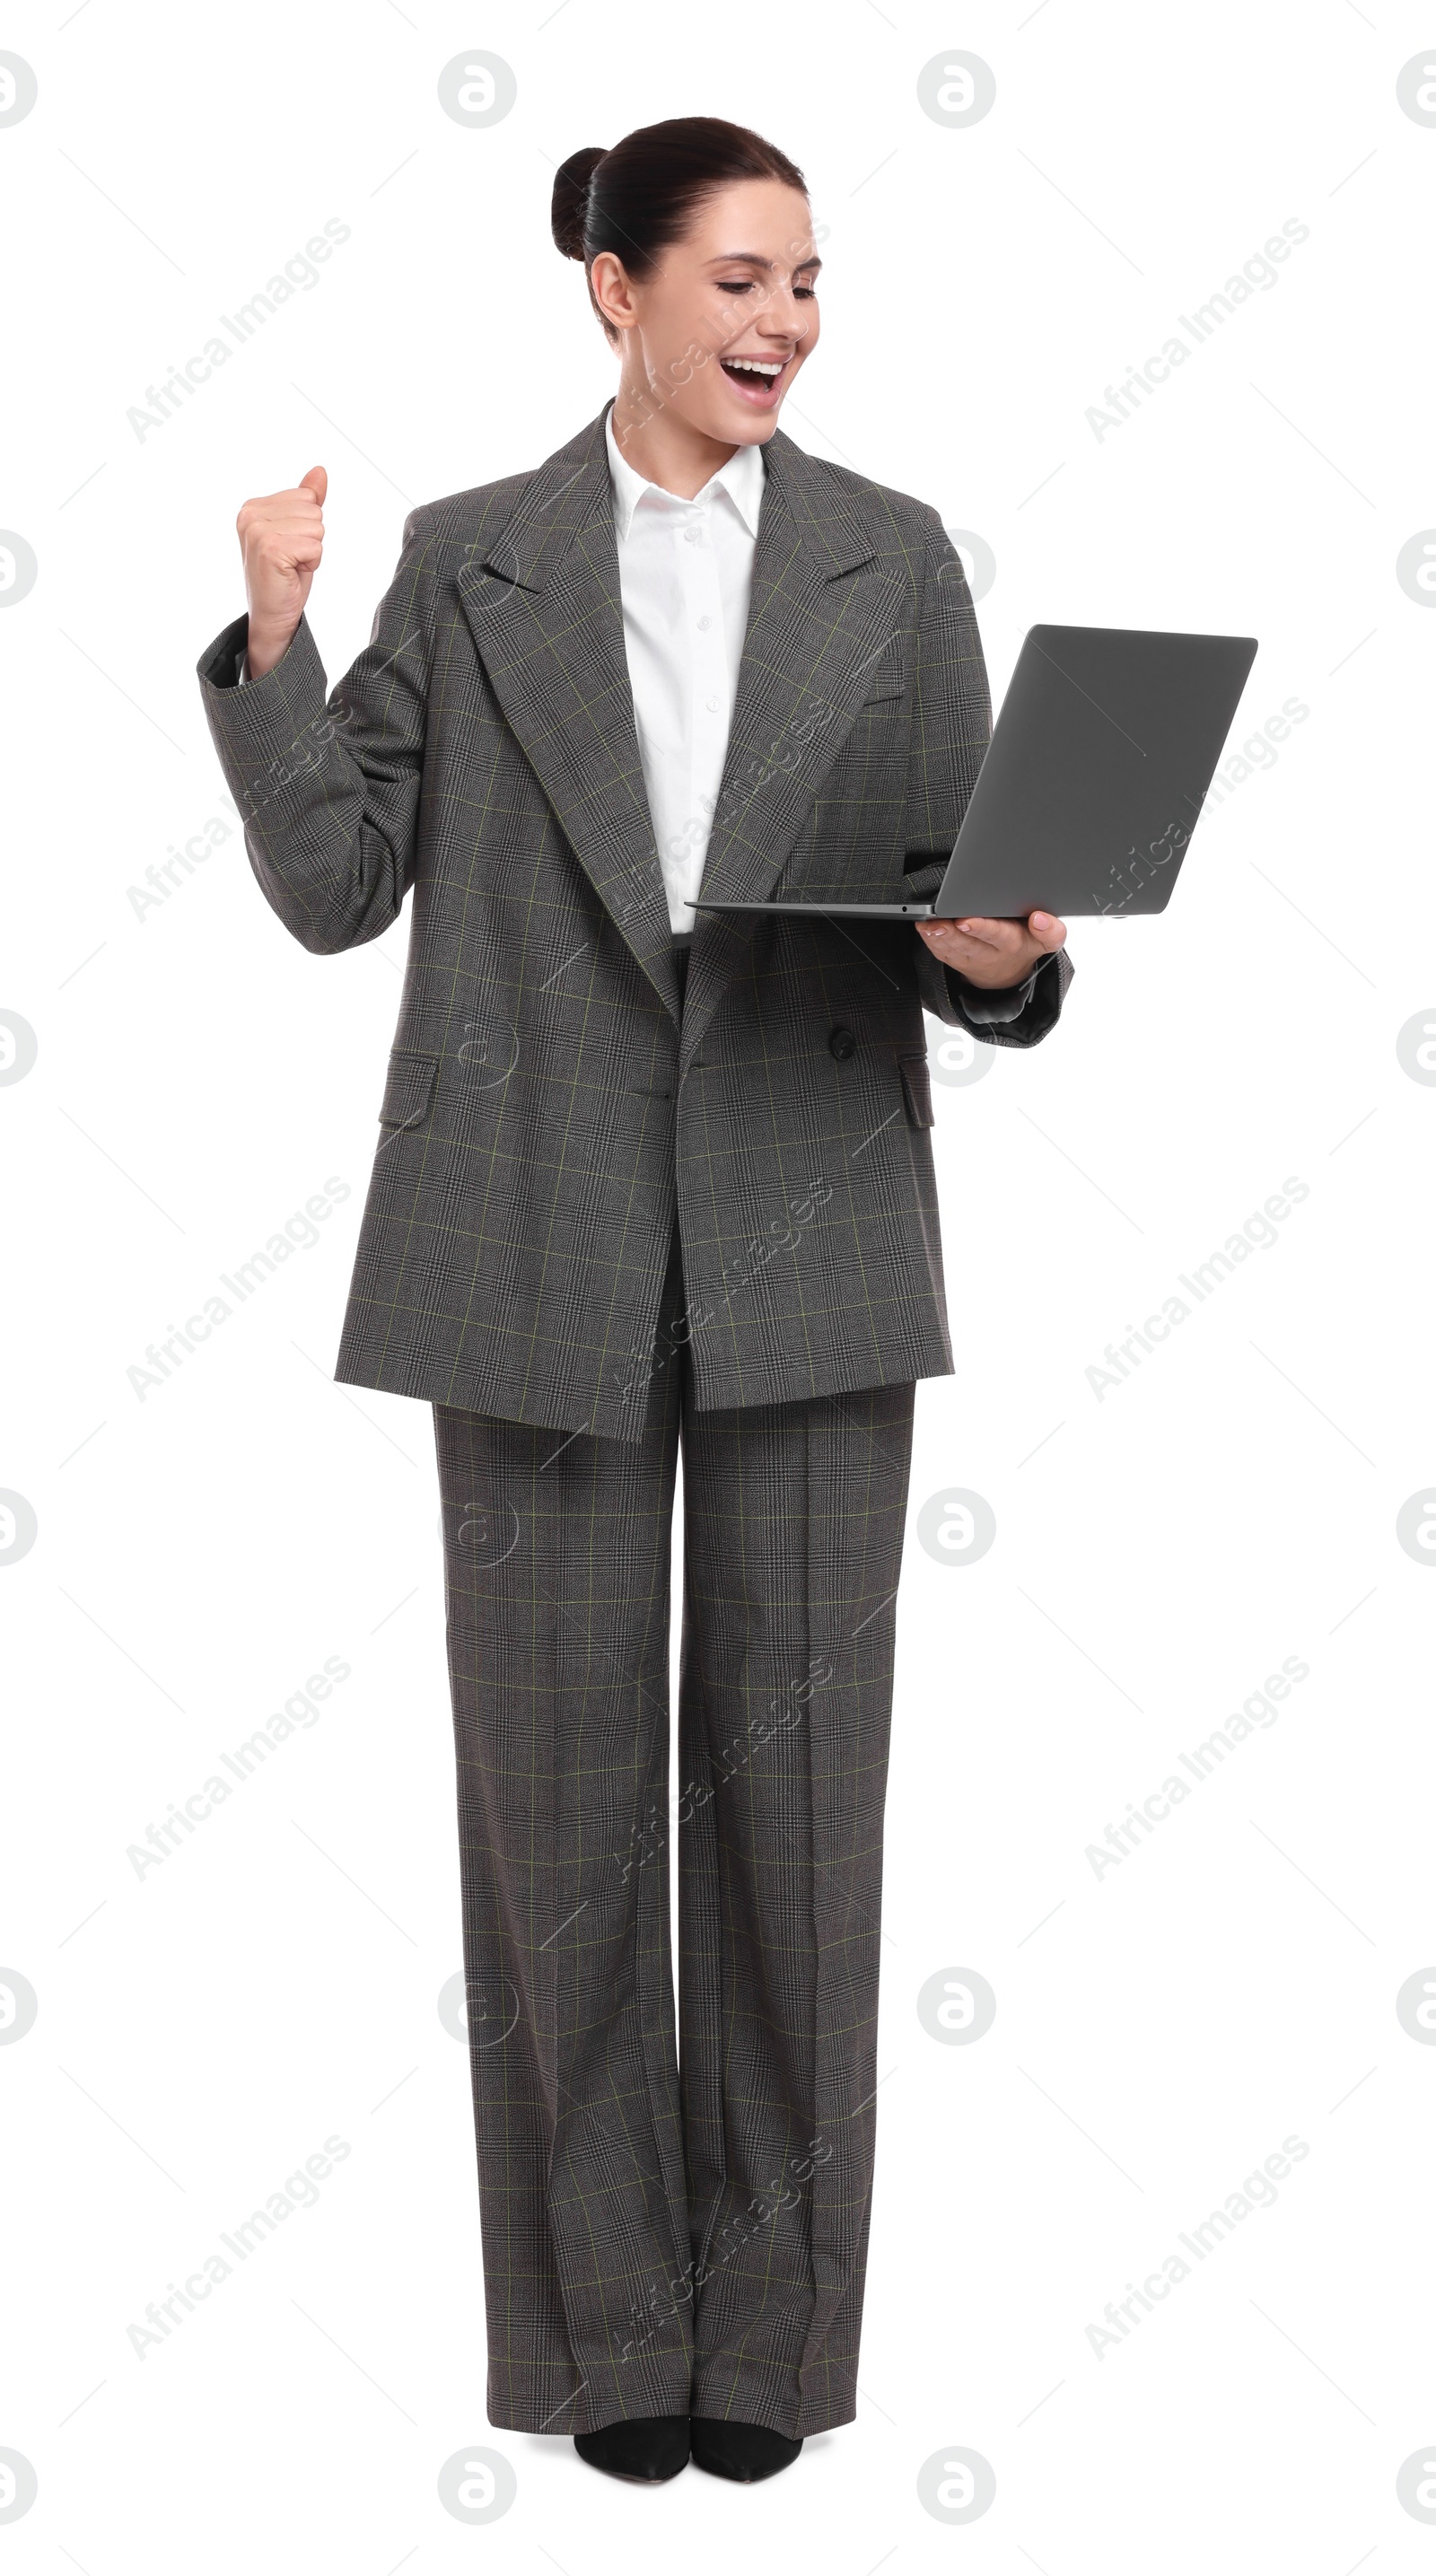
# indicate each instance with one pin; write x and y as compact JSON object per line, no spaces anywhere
{"x":758,"y":378}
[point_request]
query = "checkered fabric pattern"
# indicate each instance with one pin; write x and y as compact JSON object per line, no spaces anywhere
{"x":548,"y":1114}
{"x":655,"y":2241}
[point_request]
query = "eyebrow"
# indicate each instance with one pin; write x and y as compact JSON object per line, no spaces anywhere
{"x":755,"y":259}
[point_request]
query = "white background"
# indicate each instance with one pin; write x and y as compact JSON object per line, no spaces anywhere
{"x":1159,"y":2030}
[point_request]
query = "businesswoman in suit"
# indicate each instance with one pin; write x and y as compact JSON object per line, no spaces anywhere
{"x":651,"y":1180}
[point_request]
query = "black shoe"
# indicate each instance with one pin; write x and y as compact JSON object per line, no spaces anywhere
{"x":646,"y":2449}
{"x":743,"y":2451}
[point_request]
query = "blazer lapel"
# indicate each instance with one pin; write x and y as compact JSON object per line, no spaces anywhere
{"x":541,"y":597}
{"x":820,"y":613}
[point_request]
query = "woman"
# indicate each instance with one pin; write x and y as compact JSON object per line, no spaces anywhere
{"x":651,"y":1178}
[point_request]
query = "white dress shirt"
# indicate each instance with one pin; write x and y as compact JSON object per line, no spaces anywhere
{"x":685,"y":574}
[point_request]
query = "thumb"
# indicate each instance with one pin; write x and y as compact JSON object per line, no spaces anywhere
{"x":317,"y":482}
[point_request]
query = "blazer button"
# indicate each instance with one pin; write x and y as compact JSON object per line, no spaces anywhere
{"x":842,"y":1044}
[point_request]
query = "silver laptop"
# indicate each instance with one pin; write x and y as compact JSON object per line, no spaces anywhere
{"x":1089,"y":791}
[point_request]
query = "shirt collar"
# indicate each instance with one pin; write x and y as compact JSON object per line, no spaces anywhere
{"x":741,"y":478}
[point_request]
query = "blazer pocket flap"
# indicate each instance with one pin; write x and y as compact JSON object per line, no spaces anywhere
{"x":408,"y":1090}
{"x":917,"y":1089}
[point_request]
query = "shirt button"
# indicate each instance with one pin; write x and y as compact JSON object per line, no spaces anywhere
{"x":693,"y":536}
{"x":712,"y":706}
{"x":703,"y":625}
{"x":842,"y":1044}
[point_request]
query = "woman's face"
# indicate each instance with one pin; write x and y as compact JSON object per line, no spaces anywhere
{"x":717,"y":332}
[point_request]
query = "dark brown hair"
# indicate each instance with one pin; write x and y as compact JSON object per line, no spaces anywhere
{"x":639,"y":198}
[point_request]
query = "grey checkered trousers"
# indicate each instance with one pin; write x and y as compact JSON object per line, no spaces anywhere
{"x":659,"y":2233}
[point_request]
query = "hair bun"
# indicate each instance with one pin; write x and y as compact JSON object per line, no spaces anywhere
{"x":570,"y":199}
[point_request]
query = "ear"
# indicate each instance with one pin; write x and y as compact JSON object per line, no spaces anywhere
{"x":611,"y":291}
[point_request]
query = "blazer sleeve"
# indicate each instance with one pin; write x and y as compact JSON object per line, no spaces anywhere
{"x":328,"y":791}
{"x":951,"y":728}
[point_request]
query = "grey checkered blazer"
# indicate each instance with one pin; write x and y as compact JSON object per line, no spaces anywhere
{"x":548,"y":1110}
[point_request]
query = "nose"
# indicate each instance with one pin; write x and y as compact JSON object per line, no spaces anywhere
{"x":782,"y":317}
